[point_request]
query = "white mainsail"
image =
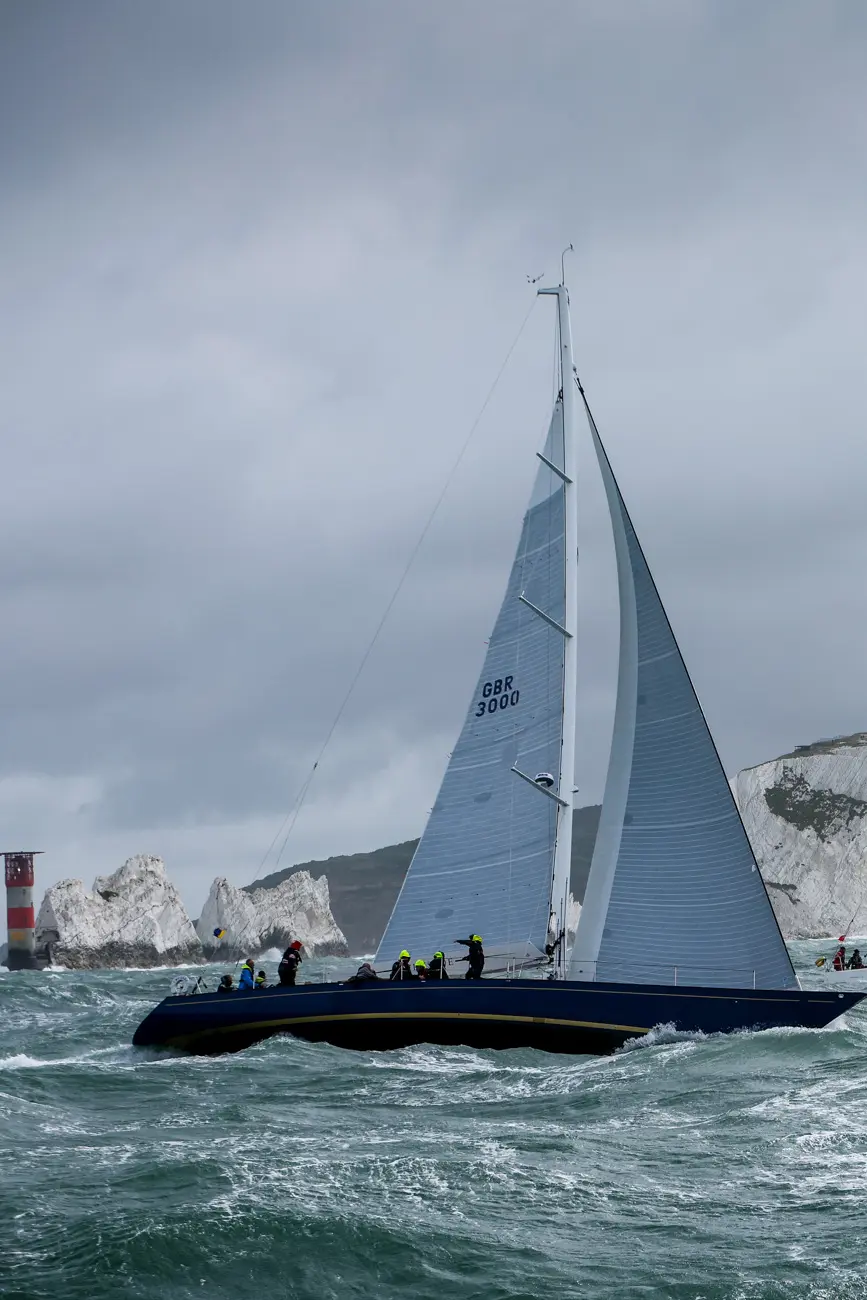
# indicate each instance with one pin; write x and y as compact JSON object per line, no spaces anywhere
{"x":484,"y":863}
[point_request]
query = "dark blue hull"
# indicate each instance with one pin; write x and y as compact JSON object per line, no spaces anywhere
{"x":561,"y":1016}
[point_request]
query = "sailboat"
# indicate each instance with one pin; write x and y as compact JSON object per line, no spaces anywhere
{"x":676,"y":927}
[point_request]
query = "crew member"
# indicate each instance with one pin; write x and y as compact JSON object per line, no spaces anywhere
{"x":225,"y":985}
{"x":840,"y":958}
{"x":437,"y":968}
{"x":364,"y":973}
{"x":421,"y":969}
{"x":260,"y":979}
{"x":289,"y":963}
{"x":401,"y":970}
{"x":248,"y":970}
{"x":855,"y":962}
{"x":476,"y":956}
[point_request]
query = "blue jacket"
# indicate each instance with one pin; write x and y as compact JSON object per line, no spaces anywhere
{"x":246,"y":981}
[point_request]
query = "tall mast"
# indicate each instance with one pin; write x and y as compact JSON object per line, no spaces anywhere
{"x":566,"y":780}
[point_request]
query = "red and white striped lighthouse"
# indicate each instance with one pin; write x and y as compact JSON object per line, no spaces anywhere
{"x":20,"y":916}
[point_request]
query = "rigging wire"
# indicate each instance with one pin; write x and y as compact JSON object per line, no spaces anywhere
{"x":848,"y":930}
{"x":305,"y":788}
{"x":295,"y":809}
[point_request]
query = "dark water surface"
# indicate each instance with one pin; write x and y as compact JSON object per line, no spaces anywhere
{"x":685,"y":1167}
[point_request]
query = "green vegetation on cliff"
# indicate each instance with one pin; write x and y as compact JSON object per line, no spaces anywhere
{"x":823,"y":811}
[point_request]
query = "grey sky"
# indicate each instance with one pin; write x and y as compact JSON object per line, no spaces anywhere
{"x":260,"y":265}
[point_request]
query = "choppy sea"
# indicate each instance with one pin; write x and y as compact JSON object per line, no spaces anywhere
{"x":688,"y":1167}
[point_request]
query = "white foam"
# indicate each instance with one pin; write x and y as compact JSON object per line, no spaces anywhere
{"x":145,"y":970}
{"x":21,"y":1061}
{"x":662,"y":1034}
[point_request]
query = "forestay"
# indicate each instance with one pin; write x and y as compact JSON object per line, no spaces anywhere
{"x":484,"y":862}
{"x":674,"y":894}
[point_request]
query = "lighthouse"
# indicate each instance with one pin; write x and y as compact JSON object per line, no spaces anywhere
{"x":20,"y":916}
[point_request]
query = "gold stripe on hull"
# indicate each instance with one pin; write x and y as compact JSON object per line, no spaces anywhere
{"x":410,"y":1015}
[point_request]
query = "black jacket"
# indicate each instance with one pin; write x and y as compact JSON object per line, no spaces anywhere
{"x":476,"y":955}
{"x":289,"y":963}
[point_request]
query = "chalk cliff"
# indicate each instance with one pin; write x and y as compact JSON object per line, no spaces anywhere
{"x":259,"y":919}
{"x":806,"y":815}
{"x":133,"y":917}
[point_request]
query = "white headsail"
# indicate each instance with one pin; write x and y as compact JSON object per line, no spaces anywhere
{"x":674,"y":894}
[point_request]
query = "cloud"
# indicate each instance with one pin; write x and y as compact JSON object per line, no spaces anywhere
{"x":260,"y":271}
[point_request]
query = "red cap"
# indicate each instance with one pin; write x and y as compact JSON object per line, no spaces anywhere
{"x":296,"y":943}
